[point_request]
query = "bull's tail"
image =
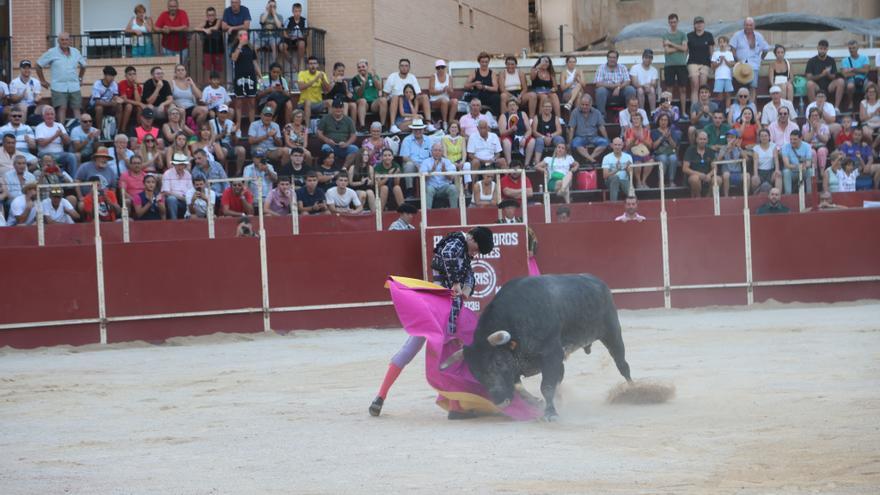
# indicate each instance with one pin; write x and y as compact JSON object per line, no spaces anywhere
{"x":613,"y":341}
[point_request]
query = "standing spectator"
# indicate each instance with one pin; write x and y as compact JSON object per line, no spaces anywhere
{"x":547,"y":129}
{"x":698,"y":167}
{"x":513,"y":85}
{"x":766,"y":160}
{"x":394,"y":85}
{"x":176,"y":181}
{"x":280,"y":199}
{"x":415,"y":149}
{"x":295,"y":38}
{"x":139,"y":28}
{"x":616,"y":167}
{"x":855,"y":69}
{"x":798,"y":163}
{"x":341,"y":199}
{"x":130,"y":96}
{"x":770,"y":112}
{"x":439,"y":184}
{"x":816,"y":134}
{"x":85,"y":138}
{"x":773,"y":205}
{"x":367,"y":87}
{"x":586,"y":128}
{"x":515,"y":131}
{"x":559,"y":169}
{"x":150,"y":204}
{"x":780,"y":73}
{"x":25,"y":139}
{"x":336,"y":131}
{"x":108,"y":206}
{"x":699,"y":45}
{"x":174,"y":23}
{"x":442,"y":94}
{"x":15,"y":179}
{"x":822,"y":75}
{"x":51,"y":138}
{"x":644,"y":78}
{"x":749,"y":47}
{"x":105,"y":97}
{"x":484,"y":149}
{"x":157,"y":95}
{"x":571,"y":82}
{"x":631,"y":208}
{"x":312,"y":84}
{"x":237,"y":200}
{"x":262,"y":171}
{"x":200,"y":199}
{"x":675,"y":70}
{"x":612,"y":80}
{"x":187,"y":95}
{"x":722,"y":61}
{"x":404,"y":221}
{"x":271,"y":24}
{"x":780,"y":131}
{"x":265,"y":135}
{"x":702,"y":110}
{"x":68,"y":67}
{"x":245,"y":74}
{"x":665,"y":139}
{"x":310,"y":199}
{"x":235,"y":18}
{"x":470,"y":120}
{"x":24,"y":90}
{"x":483,"y":85}
{"x":57,"y":209}
{"x":23,"y":209}
{"x":212,"y":44}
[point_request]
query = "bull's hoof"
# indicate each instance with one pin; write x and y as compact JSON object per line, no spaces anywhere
{"x":453,"y":415}
{"x":550,"y":417}
{"x":376,"y":406}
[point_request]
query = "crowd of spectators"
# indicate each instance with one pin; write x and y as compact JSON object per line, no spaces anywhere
{"x":166,"y":149}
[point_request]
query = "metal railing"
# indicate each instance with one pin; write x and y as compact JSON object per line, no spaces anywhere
{"x":5,"y":58}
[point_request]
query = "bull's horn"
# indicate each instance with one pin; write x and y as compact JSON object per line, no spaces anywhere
{"x":454,"y":358}
{"x":500,"y":337}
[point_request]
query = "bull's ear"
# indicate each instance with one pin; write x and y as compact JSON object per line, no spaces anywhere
{"x":500,"y":337}
{"x":454,"y":358}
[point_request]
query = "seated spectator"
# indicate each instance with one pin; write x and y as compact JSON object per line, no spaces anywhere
{"x":831,"y":172}
{"x":485,"y":192}
{"x":24,"y":91}
{"x":263,"y":171}
{"x":773,"y":205}
{"x":407,"y":113}
{"x":698,"y":167}
{"x":404,"y":221}
{"x":616,"y":167}
{"x":547,"y":131}
{"x":717,"y":131}
{"x":484,"y":149}
{"x":25,"y":139}
{"x":638,"y":143}
{"x":415,"y":149}
{"x":360,"y":178}
{"x":179,"y":146}
{"x":312,"y":85}
{"x":826,"y":203}
{"x":666,"y":108}
{"x":274,"y":92}
{"x":731,"y":172}
{"x":57,"y":209}
{"x":120,"y":155}
{"x":508,"y":209}
{"x":52,"y":174}
{"x":563,"y":214}
{"x":157,"y":95}
{"x":294,"y":35}
{"x":130,"y":98}
{"x":469,"y":121}
{"x":131,"y":182}
{"x":780,"y":131}
{"x":336,"y":131}
{"x":23,"y":208}
{"x":857,"y":150}
{"x":215,"y":94}
{"x":51,"y":138}
{"x":766,"y":160}
{"x":631,"y":211}
{"x":341,"y":199}
{"x":145,"y":128}
{"x":664,"y":141}
{"x":98,"y":167}
{"x":310,"y":199}
{"x":644,"y":78}
{"x":439,"y":184}
{"x":770,"y":112}
{"x":827,"y":112}
{"x":296,"y":169}
{"x":846,"y":131}
{"x":237,"y":200}
{"x":280,"y":200}
{"x":513,"y":85}
{"x":869,"y":115}
{"x":742,"y":102}
{"x":176,"y":181}
{"x":327,"y":172}
{"x":511,"y":185}
{"x":559,"y":169}
{"x":176,"y":125}
{"x":846,"y":178}
{"x":515,"y":132}
{"x":154,"y":160}
{"x":388,"y":166}
{"x":822,"y":75}
{"x":624,"y":117}
{"x":208,"y":143}
{"x":613,"y":84}
{"x":340,"y":89}
{"x":16,"y":178}
{"x":200,"y":199}
{"x":816,"y":134}
{"x":571,"y":82}
{"x":85,"y":138}
{"x":224,"y":129}
{"x":367,"y":88}
{"x":854,"y":69}
{"x":150,"y":205}
{"x":265,"y":135}
{"x":780,"y":75}
{"x":245,"y":74}
{"x":7,"y":154}
{"x":543,"y":86}
{"x":394,"y":85}
{"x":108,"y":206}
{"x":105,"y":97}
{"x":483,"y":84}
{"x":207,"y":169}
{"x":455,"y":147}
{"x":747,"y":127}
{"x":723,"y":61}
{"x":586,"y":128}
{"x":798,"y":163}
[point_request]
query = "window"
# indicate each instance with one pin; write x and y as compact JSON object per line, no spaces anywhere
{"x":471,"y":16}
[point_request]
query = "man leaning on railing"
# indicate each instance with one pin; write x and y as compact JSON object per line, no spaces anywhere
{"x":174,"y":20}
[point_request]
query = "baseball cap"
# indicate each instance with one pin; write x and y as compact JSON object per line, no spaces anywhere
{"x":775,"y":89}
{"x":222,"y":108}
{"x":267,"y":111}
{"x":698,"y":19}
{"x":25,"y":63}
{"x":733,"y":132}
{"x":439,"y":63}
{"x":148,"y":113}
{"x":338,"y":103}
{"x":260,"y":153}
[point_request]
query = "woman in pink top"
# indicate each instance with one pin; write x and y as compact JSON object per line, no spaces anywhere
{"x":132,"y":181}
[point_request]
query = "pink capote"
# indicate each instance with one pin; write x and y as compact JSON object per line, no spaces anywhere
{"x":533,"y":267}
{"x":423,"y":309}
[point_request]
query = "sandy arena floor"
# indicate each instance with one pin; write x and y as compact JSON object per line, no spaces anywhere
{"x":774,"y":399}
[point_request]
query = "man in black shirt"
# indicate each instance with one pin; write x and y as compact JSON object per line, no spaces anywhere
{"x":245,"y":75}
{"x":822,"y":74}
{"x":157,"y":93}
{"x":700,"y":43}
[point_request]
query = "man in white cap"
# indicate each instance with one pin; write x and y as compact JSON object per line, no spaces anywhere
{"x":771,"y":110}
{"x":176,"y":183}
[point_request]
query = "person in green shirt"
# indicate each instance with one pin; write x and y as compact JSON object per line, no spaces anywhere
{"x":367,"y":87}
{"x":717,"y":131}
{"x":675,"y":68}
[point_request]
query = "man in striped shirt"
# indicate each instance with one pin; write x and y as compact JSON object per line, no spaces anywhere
{"x":612,"y":80}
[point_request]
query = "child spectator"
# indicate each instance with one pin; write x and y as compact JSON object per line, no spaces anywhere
{"x":215,"y":95}
{"x":105,"y":97}
{"x":723,"y":62}
{"x":846,"y":178}
{"x":212,"y":49}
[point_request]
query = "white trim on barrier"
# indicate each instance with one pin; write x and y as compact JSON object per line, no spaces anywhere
{"x":747,"y":237}
{"x":99,"y":267}
{"x":52,"y":323}
{"x":41,"y":222}
{"x":184,"y":314}
{"x":126,"y":234}
{"x":317,"y":307}
{"x":264,"y":262}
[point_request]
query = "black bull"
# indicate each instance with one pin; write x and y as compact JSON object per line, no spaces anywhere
{"x":532,"y":324}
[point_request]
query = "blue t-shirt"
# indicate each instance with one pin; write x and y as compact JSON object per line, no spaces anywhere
{"x":233,"y":19}
{"x":803,"y":154}
{"x":855,"y":63}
